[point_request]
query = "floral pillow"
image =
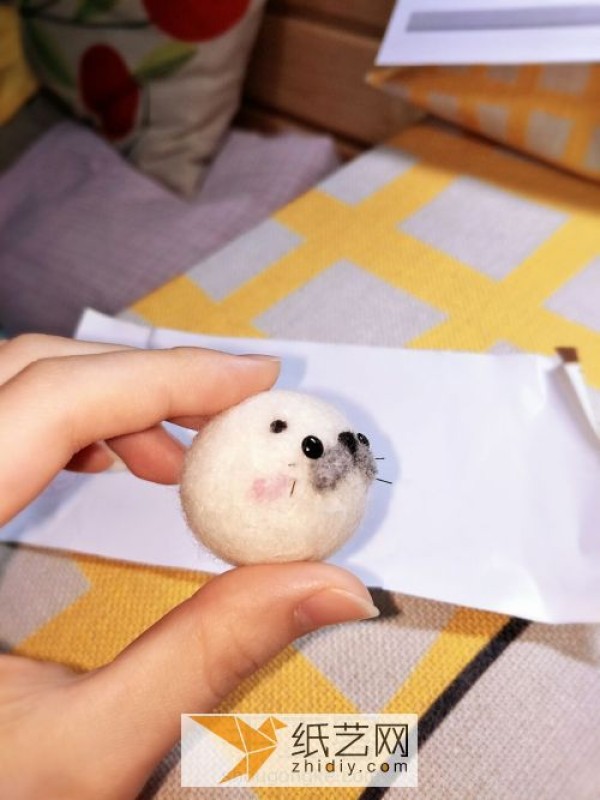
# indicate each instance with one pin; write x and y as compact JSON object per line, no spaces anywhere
{"x":161,"y":79}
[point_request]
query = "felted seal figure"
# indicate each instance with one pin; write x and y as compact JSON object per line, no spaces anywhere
{"x":280,"y":477}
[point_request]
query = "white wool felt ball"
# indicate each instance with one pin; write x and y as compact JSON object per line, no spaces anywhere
{"x":280,"y":477}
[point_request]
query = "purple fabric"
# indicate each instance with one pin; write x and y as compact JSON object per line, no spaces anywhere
{"x":80,"y":227}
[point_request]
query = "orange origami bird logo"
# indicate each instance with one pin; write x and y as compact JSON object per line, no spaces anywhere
{"x":257,"y":744}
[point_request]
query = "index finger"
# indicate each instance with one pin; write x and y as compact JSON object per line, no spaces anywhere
{"x":57,"y":406}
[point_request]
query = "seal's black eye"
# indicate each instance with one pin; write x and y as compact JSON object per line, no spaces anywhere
{"x":278,"y":425}
{"x":362,"y":439}
{"x":312,"y":447}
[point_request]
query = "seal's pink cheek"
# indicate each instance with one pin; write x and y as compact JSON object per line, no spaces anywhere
{"x":268,"y":489}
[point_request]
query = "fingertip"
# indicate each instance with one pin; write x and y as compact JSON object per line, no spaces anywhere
{"x":265,"y":365}
{"x":331,"y":607}
{"x":287,"y":582}
{"x":221,"y":380}
{"x":262,"y":357}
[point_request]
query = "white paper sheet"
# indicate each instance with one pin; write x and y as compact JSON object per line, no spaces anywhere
{"x":495,"y":501}
{"x":491,"y":32}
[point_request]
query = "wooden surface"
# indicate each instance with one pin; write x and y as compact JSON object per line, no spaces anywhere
{"x":308,"y":71}
{"x":368,"y":16}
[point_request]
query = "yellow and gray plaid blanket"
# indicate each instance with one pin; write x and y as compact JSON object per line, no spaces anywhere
{"x":436,"y":240}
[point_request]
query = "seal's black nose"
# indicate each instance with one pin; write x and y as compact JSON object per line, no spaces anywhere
{"x":348,"y":439}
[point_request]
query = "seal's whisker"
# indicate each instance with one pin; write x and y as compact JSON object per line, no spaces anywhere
{"x":379,"y":458}
{"x":382,"y":481}
{"x":293,"y":487}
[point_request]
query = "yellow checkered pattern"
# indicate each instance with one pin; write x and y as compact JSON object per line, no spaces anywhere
{"x":478,"y":312}
{"x":549,"y":111}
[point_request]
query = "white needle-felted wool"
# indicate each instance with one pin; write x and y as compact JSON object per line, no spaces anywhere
{"x":280,"y":477}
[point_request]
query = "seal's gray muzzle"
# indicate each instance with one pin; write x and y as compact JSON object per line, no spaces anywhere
{"x":337,"y":462}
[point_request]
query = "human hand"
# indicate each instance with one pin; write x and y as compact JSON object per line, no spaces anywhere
{"x":99,"y":734}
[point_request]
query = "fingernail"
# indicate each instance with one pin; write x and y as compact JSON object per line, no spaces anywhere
{"x":260,"y":357}
{"x":330,"y":606}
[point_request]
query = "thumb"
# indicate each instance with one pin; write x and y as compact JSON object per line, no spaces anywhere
{"x":193,"y":657}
